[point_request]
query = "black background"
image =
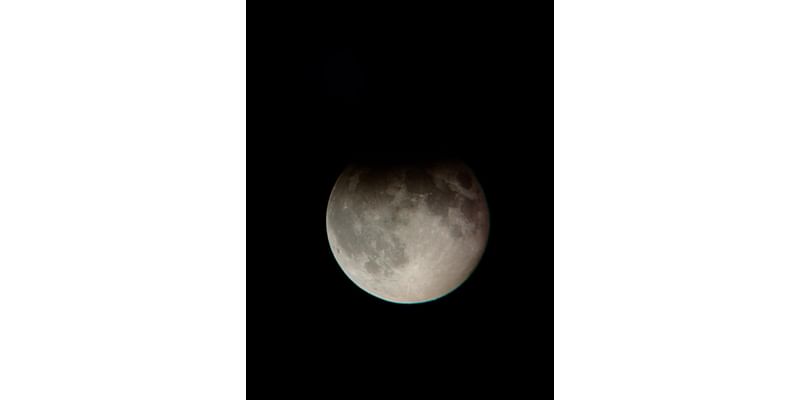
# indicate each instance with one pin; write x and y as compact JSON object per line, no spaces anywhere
{"x":457,"y":91}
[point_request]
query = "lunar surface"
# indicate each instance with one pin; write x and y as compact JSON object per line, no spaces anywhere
{"x":408,"y":233}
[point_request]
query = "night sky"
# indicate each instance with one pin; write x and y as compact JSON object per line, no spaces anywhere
{"x":404,"y":98}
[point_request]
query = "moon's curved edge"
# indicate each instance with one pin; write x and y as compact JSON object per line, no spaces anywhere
{"x":397,"y":301}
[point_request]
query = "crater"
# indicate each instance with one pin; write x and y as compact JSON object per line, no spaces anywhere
{"x":372,"y":267}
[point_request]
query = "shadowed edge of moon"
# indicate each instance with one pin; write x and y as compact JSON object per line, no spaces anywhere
{"x":460,"y":172}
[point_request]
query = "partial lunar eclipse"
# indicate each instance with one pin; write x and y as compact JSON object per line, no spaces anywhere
{"x":408,"y":233}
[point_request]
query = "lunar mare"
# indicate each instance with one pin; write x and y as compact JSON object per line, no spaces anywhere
{"x":408,"y":233}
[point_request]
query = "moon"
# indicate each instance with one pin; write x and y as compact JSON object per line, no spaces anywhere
{"x":408,"y":233}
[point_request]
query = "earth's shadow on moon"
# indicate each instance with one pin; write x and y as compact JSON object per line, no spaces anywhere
{"x":465,"y":291}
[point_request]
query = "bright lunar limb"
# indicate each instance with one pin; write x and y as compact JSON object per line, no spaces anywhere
{"x":408,"y":233}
